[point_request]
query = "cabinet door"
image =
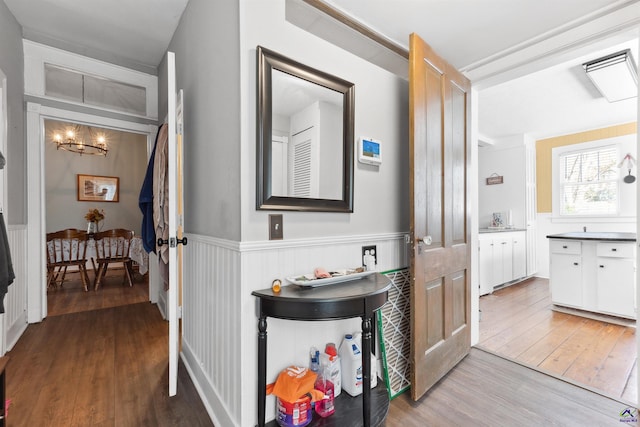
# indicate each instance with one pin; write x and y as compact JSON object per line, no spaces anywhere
{"x":504,"y":259}
{"x":616,"y":293}
{"x":565,"y":279}
{"x":519,"y":257}
{"x":485,"y":266}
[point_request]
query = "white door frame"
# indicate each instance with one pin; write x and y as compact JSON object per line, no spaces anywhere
{"x":36,"y":213}
{"x":3,"y":137}
{"x":4,"y":196}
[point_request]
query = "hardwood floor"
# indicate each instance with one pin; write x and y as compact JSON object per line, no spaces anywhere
{"x":71,"y":297}
{"x":106,"y":367}
{"x":487,"y":390}
{"x":517,"y":322}
{"x":98,"y":359}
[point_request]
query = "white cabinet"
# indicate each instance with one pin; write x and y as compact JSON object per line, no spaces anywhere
{"x":565,"y":277}
{"x":519,"y":247}
{"x":485,"y":265}
{"x":616,"y":278}
{"x":593,"y":275}
{"x":515,"y":159}
{"x":502,"y":258}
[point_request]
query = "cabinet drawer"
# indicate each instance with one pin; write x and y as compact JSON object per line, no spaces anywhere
{"x":615,"y":249}
{"x":565,"y":247}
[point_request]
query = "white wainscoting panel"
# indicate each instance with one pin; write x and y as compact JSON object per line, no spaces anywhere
{"x":288,"y":342}
{"x":219,"y":345}
{"x":211,"y":325}
{"x":15,"y":302}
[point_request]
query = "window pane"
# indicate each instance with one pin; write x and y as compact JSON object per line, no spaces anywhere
{"x":61,"y":83}
{"x":572,"y":168}
{"x":590,"y":182}
{"x":75,"y":86}
{"x":590,"y":199}
{"x":116,"y":95}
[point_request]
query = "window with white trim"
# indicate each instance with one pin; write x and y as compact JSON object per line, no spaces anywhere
{"x":588,"y":182}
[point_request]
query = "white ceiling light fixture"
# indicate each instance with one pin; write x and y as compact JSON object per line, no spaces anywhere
{"x":615,"y":75}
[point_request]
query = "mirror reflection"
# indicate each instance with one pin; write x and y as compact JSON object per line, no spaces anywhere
{"x":304,"y":137}
{"x":306,"y":145}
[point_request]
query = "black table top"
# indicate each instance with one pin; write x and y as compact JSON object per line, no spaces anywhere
{"x":595,"y":235}
{"x":373,"y":284}
{"x":359,"y":297}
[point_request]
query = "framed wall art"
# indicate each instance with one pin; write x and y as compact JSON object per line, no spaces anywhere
{"x":96,"y":188}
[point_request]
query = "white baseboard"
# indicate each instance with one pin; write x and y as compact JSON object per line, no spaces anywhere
{"x":214,"y":404}
{"x":16,"y":330}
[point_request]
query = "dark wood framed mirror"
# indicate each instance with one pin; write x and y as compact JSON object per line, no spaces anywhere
{"x":305,"y":142}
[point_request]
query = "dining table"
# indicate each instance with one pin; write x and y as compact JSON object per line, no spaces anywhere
{"x":137,"y":253}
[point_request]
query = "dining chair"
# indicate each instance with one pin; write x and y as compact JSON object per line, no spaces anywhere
{"x":113,"y":246}
{"x":66,"y":248}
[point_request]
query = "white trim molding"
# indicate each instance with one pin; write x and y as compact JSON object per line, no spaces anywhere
{"x":618,"y":20}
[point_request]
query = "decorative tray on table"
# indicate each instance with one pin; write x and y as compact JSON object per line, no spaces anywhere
{"x":338,"y":276}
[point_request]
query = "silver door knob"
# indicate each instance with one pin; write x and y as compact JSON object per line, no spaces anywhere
{"x":427,"y":240}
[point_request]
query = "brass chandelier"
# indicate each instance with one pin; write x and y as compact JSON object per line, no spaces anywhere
{"x":74,"y":142}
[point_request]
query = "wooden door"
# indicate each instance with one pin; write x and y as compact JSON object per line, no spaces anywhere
{"x":440,"y":260}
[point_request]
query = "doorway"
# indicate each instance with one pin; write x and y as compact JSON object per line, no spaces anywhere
{"x":123,"y":159}
{"x":37,"y":216}
{"x":523,"y":337}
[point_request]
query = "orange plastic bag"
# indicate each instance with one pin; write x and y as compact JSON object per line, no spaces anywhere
{"x":293,"y":382}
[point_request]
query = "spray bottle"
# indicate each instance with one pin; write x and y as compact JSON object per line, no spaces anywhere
{"x":324,"y":407}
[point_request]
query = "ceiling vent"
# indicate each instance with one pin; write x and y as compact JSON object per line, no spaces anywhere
{"x":615,"y":75}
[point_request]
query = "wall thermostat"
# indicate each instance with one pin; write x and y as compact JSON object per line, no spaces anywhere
{"x":370,"y":151}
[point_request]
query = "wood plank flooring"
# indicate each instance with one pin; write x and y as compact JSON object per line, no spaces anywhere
{"x":487,"y":390}
{"x":71,"y":297}
{"x":517,"y":322}
{"x":106,"y":367}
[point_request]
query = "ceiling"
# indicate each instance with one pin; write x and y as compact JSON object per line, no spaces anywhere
{"x":133,"y":33}
{"x":467,"y":33}
{"x":470,"y":33}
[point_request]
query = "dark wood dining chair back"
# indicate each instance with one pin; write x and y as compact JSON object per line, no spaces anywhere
{"x":66,"y":248}
{"x":113,"y":246}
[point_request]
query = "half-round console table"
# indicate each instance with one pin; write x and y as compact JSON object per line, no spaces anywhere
{"x":355,"y":298}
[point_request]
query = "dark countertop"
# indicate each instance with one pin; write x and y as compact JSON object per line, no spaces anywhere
{"x":578,"y":235}
{"x":499,"y":230}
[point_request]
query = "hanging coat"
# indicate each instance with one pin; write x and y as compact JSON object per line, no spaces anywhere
{"x":161,"y":192}
{"x":6,"y":267}
{"x":145,"y":201}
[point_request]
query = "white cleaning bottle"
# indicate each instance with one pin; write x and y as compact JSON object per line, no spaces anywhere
{"x":334,"y":368}
{"x":374,"y":362}
{"x":351,"y":361}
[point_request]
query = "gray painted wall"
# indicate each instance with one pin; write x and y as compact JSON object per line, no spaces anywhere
{"x":381,"y":194}
{"x":127,"y":159}
{"x":207,"y":49}
{"x":12,"y":64}
{"x":218,"y":75}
